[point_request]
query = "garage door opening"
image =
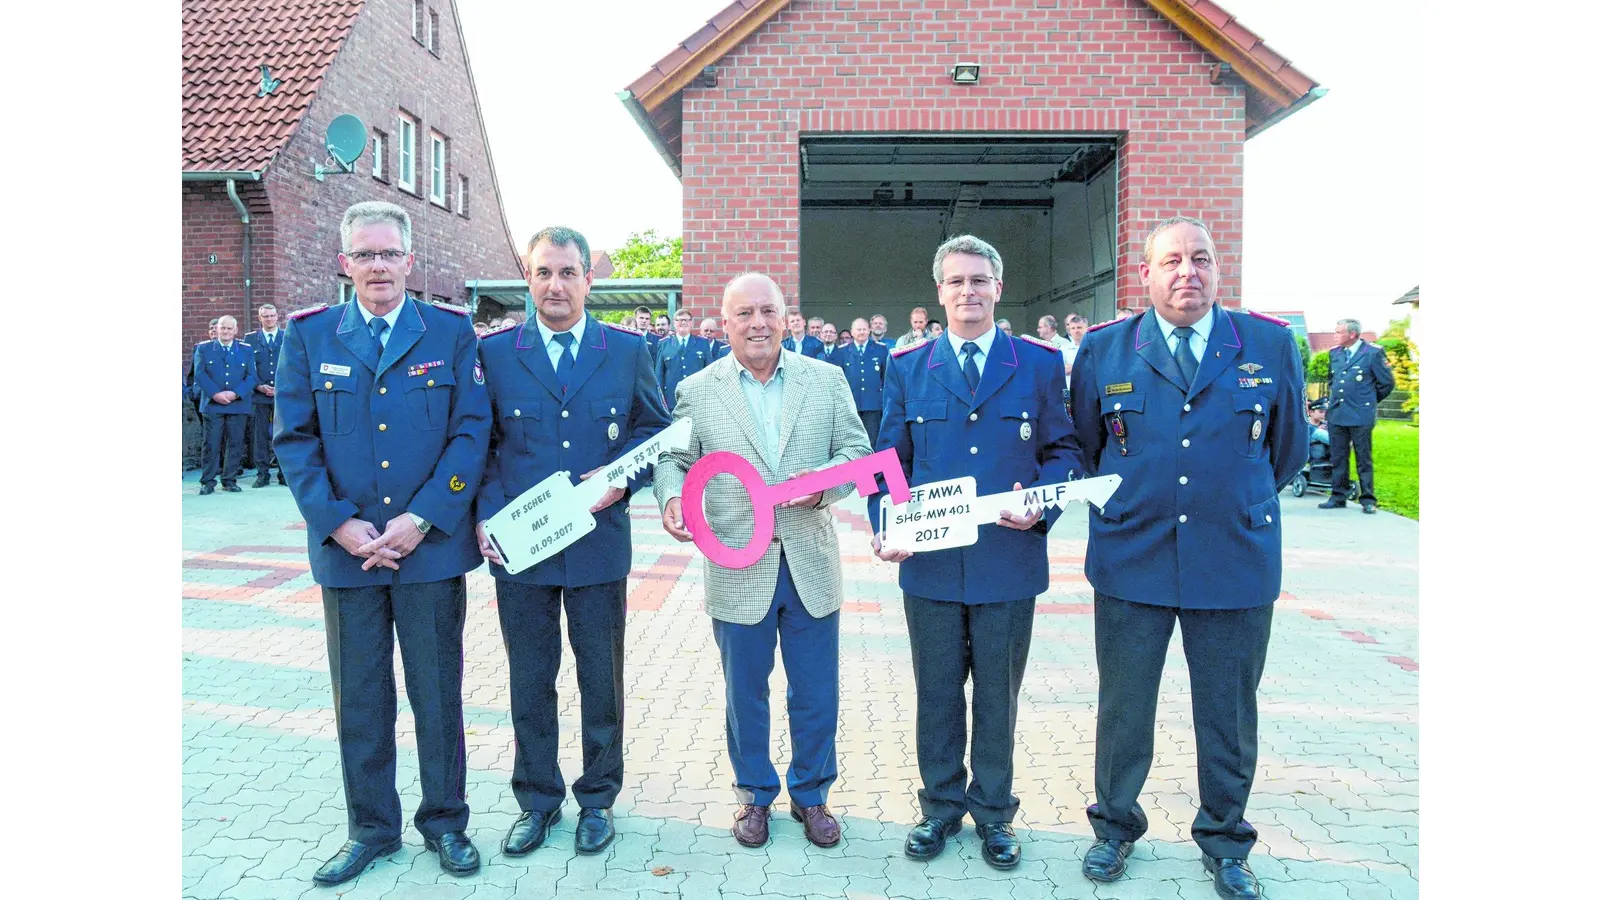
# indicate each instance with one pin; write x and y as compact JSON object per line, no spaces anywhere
{"x":873,"y":209}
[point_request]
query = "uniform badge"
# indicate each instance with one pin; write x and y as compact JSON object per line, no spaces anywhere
{"x":612,"y":431}
{"x":1027,"y":430}
{"x":1251,"y":368}
{"x":1125,"y":387}
{"x":1255,"y":430}
{"x":477,"y":372}
{"x":1358,"y":376}
{"x":456,"y":484}
{"x":331,"y":369}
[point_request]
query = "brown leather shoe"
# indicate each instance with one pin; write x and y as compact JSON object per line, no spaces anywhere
{"x":822,"y":828}
{"x":750,"y":825}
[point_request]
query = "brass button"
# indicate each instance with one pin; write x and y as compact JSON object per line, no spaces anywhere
{"x":328,"y":385}
{"x":566,"y":444}
{"x":972,"y":418}
{"x":1186,"y":442}
{"x":386,"y":501}
{"x":919,"y":420}
{"x":974,"y":451}
{"x":564,"y":414}
{"x":1182,"y":479}
{"x":1186,"y":407}
{"x":1024,"y":415}
{"x":1116,"y":406}
{"x":386,"y":464}
{"x":1258,"y":407}
{"x":613,"y":410}
{"x":430,"y":382}
{"x":516,"y":412}
{"x":1182,"y":519}
{"x":383,"y":390}
{"x":382,"y":427}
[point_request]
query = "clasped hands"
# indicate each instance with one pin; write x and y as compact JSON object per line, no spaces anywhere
{"x":360,"y":538}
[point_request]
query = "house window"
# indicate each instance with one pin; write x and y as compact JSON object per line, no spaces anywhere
{"x":438,"y":192}
{"x":461,"y":194}
{"x":433,"y":31}
{"x":408,"y":153}
{"x":379,"y":163}
{"x":347,"y":290}
{"x":418,"y":11}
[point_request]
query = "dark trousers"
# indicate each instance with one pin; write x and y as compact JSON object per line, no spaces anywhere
{"x":949,"y":641}
{"x":530,"y":620}
{"x":224,"y":434}
{"x":870,"y":420}
{"x":362,"y":625}
{"x":812,"y":645}
{"x":1340,"y":439}
{"x":261,"y":431}
{"x":1226,"y":651}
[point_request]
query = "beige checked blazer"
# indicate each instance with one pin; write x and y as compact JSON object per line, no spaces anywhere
{"x":820,"y":428}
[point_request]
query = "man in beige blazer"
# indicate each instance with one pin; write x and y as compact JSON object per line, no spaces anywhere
{"x":787,"y":414}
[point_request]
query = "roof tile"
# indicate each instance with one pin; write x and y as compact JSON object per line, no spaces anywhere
{"x":227,"y":126}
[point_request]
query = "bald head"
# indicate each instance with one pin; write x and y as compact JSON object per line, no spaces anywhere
{"x":752,"y":285}
{"x":752,"y":316}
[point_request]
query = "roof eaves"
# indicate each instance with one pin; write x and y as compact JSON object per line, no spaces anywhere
{"x":682,"y":64}
{"x":1268,"y":73}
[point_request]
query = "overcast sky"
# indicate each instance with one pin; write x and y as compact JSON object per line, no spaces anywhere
{"x":1331,"y":194}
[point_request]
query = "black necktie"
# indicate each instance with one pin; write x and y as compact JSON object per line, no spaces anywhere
{"x":564,"y":367}
{"x":1187,"y":366}
{"x":378,"y":326}
{"x":970,"y":368}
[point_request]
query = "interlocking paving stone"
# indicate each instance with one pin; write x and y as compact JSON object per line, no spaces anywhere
{"x":1335,"y":798}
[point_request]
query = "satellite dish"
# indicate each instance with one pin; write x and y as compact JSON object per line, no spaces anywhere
{"x":347,"y":140}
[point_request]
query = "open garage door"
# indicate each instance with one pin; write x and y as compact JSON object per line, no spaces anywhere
{"x":874,"y":208}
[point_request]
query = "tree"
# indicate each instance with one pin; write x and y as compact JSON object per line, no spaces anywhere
{"x":1319,"y":368}
{"x":1402,"y":356}
{"x":1305,"y":356}
{"x":646,"y":254}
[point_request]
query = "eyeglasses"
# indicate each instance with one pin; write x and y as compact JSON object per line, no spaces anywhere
{"x":367,"y":256}
{"x":978,"y":282}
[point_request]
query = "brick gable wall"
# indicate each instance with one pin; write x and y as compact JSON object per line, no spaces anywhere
{"x":883,"y":65}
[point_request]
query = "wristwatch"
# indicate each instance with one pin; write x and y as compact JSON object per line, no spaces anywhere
{"x":422,"y":524}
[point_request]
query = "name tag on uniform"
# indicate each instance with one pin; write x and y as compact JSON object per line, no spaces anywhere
{"x":1125,"y":387}
{"x":331,"y":369}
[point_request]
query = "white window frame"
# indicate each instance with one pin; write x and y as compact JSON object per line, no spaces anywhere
{"x":347,"y":289}
{"x":433,"y":32}
{"x":418,"y":12}
{"x":438,"y":168}
{"x":461,"y":194}
{"x":377,"y":156}
{"x":406,"y":177}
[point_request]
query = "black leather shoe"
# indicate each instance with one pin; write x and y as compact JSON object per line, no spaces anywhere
{"x":927,"y":839}
{"x":1001,"y":848}
{"x":207,"y":489}
{"x":1331,"y":503}
{"x":595,"y":830}
{"x":280,"y":479}
{"x":353,"y":859}
{"x":456,"y":853}
{"x":1233,"y":878}
{"x":528,"y":834}
{"x":1106,"y":860}
{"x":261,"y":481}
{"x":1367,"y":506}
{"x":231,"y":488}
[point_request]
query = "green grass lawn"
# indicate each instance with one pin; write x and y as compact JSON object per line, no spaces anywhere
{"x":1394,"y":467}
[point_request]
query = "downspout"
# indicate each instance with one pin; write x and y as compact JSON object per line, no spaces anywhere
{"x":244,"y":218}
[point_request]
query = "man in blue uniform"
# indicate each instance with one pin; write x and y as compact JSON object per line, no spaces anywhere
{"x":265,"y":341}
{"x":829,"y":335}
{"x":708,"y":330}
{"x":1360,"y":380}
{"x":798,"y":340}
{"x":864,"y":362}
{"x":642,"y":324}
{"x":973,"y":402}
{"x":382,"y":427}
{"x":1201,"y":411}
{"x":568,"y":394}
{"x":225,"y":371}
{"x":682,"y":354}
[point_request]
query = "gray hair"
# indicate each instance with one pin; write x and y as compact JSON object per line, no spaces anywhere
{"x":266,"y":306}
{"x":1076,"y":318}
{"x":221,"y":319}
{"x":1050,"y":320}
{"x":563,"y":237}
{"x":816,"y":319}
{"x":1168,"y":222}
{"x":1002,"y":321}
{"x":1352,"y":326}
{"x":966,"y":243}
{"x":777,"y":292}
{"x":372,"y":212}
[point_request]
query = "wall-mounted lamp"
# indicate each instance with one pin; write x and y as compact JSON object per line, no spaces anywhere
{"x":707,"y":78}
{"x":965,"y":73}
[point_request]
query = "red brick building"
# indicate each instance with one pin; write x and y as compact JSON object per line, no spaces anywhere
{"x":835,"y":143}
{"x":262,"y":79}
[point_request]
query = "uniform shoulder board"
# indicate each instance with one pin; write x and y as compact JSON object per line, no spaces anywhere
{"x":501,"y":330}
{"x":1273,"y":319}
{"x":451,"y":307}
{"x":302,"y":313}
{"x":1108,"y":324}
{"x":1039,"y":342}
{"x":909,"y":347}
{"x":623,"y":328}
{"x":242,"y":344}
